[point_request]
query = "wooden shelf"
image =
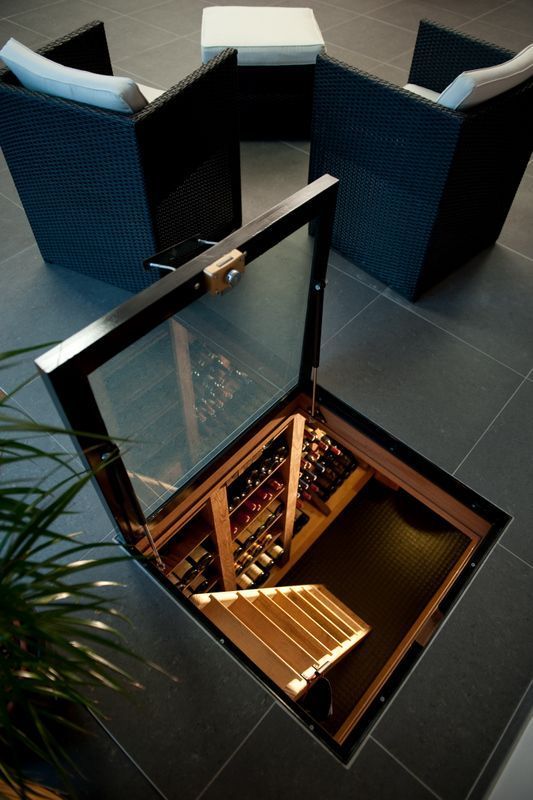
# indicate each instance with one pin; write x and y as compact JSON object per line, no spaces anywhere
{"x":184,"y":542}
{"x":275,"y":537}
{"x":258,"y":514}
{"x":259,"y":485}
{"x":318,"y":522}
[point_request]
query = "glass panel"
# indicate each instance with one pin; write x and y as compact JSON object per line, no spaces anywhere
{"x":183,"y":392}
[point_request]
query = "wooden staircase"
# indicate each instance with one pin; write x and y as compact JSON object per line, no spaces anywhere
{"x":293,"y":633}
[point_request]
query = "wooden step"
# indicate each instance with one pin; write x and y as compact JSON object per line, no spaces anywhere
{"x":263,"y":656}
{"x":324,"y":620}
{"x":296,"y":631}
{"x":283,"y":600}
{"x":273,"y":636}
{"x":355,"y":622}
{"x":292,"y":633}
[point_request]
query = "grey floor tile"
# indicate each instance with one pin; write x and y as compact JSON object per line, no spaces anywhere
{"x":512,"y":40}
{"x":326,"y":15}
{"x":304,"y":146}
{"x":471,"y":8}
{"x":344,"y":298}
{"x":30,"y":38}
{"x":504,"y":750}
{"x":14,"y":220}
{"x":45,"y":304}
{"x":181,"y":17}
{"x":360,"y":6}
{"x":517,"y":16}
{"x":436,"y":394}
{"x":124,"y":6}
{"x":270,"y":171}
{"x":358,"y":60}
{"x":517,"y":231}
{"x":115,"y":776}
{"x":180,"y":732}
{"x":62,"y":18}
{"x":164,"y":65}
{"x":299,"y":768}
{"x":392,"y":74}
{"x":336,"y":260}
{"x":500,"y":468}
{"x":103,"y":770}
{"x":407,"y":14}
{"x":127,"y":37}
{"x":35,"y":399}
{"x":8,"y":189}
{"x":403,"y":61}
{"x":495,"y":285}
{"x":446,"y":720}
{"x":10,"y":7}
{"x":372,"y":38}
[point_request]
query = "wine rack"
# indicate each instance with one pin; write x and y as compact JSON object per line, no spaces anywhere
{"x":263,"y":512}
{"x":189,"y":559}
{"x":256,"y":508}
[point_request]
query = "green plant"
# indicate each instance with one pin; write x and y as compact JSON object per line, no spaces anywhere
{"x":57,"y":625}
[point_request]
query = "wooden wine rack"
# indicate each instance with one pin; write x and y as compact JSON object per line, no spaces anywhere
{"x":209,"y":521}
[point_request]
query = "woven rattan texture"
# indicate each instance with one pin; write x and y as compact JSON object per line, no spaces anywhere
{"x":385,"y":557}
{"x":422,"y":188}
{"x":275,"y":102}
{"x":104,"y":190}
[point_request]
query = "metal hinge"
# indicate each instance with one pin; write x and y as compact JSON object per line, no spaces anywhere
{"x":225,"y":273}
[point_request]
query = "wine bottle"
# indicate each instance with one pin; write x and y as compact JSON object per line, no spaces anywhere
{"x":275,"y":552}
{"x":265,"y":561}
{"x":185,"y":572}
{"x":244,"y":582}
{"x":300,"y":520}
{"x":256,"y":574}
{"x":201,"y":557}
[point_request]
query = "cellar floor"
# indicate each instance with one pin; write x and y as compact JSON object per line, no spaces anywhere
{"x":385,"y":557}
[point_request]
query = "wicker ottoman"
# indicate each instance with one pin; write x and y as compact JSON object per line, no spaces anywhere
{"x":277,"y":50}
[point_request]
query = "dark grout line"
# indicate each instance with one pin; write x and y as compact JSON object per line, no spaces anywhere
{"x":232,"y":756}
{"x":420,"y":315}
{"x":402,"y":765}
{"x":130,"y":758}
{"x":489,"y":426}
{"x":334,"y":335}
{"x":518,"y":711}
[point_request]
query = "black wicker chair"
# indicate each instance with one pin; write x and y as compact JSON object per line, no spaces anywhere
{"x":104,"y":190}
{"x":422,"y":188}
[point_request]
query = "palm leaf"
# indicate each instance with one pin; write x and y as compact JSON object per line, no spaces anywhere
{"x":59,"y":638}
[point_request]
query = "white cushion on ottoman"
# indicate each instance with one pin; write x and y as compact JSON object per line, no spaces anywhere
{"x":263,"y":36}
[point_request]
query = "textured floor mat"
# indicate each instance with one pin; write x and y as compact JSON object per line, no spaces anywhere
{"x":385,"y":557}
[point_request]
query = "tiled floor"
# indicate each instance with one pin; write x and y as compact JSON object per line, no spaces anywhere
{"x":452,"y":376}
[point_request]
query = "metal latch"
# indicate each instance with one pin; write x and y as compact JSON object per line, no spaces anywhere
{"x":225,"y":273}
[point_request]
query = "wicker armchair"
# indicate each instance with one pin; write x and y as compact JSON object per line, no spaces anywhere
{"x":422,"y":188}
{"x":104,"y":190}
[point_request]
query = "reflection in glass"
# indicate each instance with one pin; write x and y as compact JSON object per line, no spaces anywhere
{"x":184,"y":391}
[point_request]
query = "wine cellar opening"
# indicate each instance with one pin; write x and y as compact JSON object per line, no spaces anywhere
{"x":321,"y":551}
{"x":321,"y":557}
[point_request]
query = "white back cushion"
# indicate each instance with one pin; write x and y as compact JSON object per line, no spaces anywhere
{"x":42,"y":75}
{"x":262,"y":35}
{"x":477,"y":85}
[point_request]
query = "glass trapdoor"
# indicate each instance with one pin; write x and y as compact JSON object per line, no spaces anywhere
{"x":179,"y":372}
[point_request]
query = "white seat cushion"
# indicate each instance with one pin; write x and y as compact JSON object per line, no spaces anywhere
{"x":149,"y":92}
{"x":429,"y":94}
{"x":263,"y":36}
{"x":42,"y":75}
{"x":478,"y":85}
